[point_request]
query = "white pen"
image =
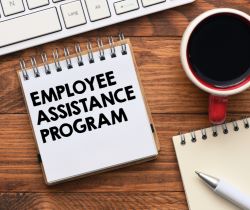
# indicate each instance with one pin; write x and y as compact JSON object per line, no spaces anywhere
{"x":226,"y":191}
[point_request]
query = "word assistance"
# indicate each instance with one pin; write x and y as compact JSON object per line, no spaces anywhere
{"x":81,"y":104}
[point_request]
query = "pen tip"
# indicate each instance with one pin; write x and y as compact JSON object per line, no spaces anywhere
{"x":197,"y":172}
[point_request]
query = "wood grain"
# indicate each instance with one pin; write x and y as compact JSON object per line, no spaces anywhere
{"x":176,"y":104}
{"x":165,"y":83}
{"x":20,"y":171}
{"x":89,"y":201}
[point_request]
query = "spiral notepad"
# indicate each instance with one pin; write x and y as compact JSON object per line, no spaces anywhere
{"x":222,"y":151}
{"x":87,"y":111}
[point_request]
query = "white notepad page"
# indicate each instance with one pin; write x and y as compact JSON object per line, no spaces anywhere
{"x":99,"y":149}
{"x":226,"y":156}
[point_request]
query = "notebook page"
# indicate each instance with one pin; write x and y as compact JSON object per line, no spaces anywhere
{"x":95,"y":149}
{"x":225,"y":156}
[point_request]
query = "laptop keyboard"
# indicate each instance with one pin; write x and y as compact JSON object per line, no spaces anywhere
{"x":26,"y":23}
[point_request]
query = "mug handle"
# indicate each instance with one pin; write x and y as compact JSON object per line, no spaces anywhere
{"x":217,"y":109}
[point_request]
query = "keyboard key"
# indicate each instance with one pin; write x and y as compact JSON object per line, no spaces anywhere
{"x":125,"y":6}
{"x":11,"y":7}
{"x":97,"y":9}
{"x":73,"y":14}
{"x":47,"y":20}
{"x":147,"y":3}
{"x":32,"y":4}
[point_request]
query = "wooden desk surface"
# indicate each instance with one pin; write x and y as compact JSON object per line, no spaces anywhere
{"x":176,"y":104}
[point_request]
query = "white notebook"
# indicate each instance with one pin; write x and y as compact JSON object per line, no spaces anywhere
{"x":225,"y":154}
{"x":91,"y":117}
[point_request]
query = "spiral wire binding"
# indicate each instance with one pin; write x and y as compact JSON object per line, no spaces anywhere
{"x":90,"y":52}
{"x":224,"y":128}
{"x":203,"y":134}
{"x":235,"y":125}
{"x":101,"y":49}
{"x":23,"y":69}
{"x":193,"y":136}
{"x":34,"y":67}
{"x":214,"y":130}
{"x":67,"y":58}
{"x":79,"y":56}
{"x":183,"y":140}
{"x":246,"y":123}
{"x":45,"y":63}
{"x":57,"y":60}
{"x":112,"y":47}
{"x":123,"y":43}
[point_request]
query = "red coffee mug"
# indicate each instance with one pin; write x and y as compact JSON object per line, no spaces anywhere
{"x":218,"y":98}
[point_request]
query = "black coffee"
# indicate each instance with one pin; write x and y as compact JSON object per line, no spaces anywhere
{"x":219,"y":49}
